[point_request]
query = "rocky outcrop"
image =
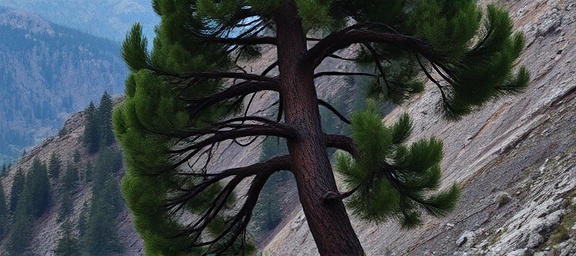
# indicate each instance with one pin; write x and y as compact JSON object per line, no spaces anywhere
{"x":515,"y":160}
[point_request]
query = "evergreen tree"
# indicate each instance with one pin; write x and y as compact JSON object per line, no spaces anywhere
{"x":184,"y":99}
{"x":54,"y":166}
{"x":101,"y":230}
{"x":17,"y":188}
{"x":21,"y":231}
{"x":36,"y":193}
{"x":76,"y":156}
{"x":66,"y":206}
{"x":70,"y":179}
{"x":67,"y":244}
{"x":105,"y":117}
{"x":92,"y":133}
{"x":83,"y":224}
{"x":3,"y":213}
{"x":88,"y":172}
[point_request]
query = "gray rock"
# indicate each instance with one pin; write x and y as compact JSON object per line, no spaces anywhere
{"x":467,"y":239}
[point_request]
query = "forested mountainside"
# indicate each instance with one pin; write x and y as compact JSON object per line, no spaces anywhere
{"x":104,"y":18}
{"x":63,"y":197}
{"x":48,"y":72}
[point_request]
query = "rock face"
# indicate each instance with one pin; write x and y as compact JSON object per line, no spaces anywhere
{"x":515,"y":160}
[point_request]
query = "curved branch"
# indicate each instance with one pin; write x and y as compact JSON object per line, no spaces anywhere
{"x":342,"y":142}
{"x":238,"y":90}
{"x":226,"y":74}
{"x":241,"y":41}
{"x":359,"y":34}
{"x":336,"y":73}
{"x":239,"y":131}
{"x":333,"y":110}
{"x":238,"y":223}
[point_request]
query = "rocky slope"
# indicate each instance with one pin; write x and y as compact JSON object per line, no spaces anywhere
{"x":47,"y":229}
{"x":48,"y":72}
{"x":515,"y":160}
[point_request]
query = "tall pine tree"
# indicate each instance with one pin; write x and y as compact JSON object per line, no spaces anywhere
{"x":54,"y":166}
{"x":189,"y":96}
{"x":91,"y":137}
{"x":105,"y":118}
{"x":17,"y":188}
{"x":3,"y":213}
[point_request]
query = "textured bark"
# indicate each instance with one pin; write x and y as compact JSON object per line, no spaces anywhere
{"x":327,"y":219}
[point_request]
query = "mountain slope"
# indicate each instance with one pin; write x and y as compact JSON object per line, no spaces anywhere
{"x":48,"y":72}
{"x":515,"y":159}
{"x":110,"y":19}
{"x":49,"y":228}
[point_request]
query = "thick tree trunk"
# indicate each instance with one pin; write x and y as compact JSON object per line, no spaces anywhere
{"x":327,"y":219}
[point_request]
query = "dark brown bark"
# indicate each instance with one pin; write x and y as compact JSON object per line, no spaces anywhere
{"x":327,"y":219}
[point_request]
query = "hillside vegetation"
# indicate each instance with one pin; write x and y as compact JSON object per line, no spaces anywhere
{"x":48,"y":72}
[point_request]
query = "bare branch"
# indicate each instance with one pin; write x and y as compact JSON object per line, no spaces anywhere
{"x":239,"y":221}
{"x":336,"y":73}
{"x":333,"y":110}
{"x":342,"y":142}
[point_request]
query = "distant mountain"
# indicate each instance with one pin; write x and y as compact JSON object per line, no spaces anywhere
{"x":105,"y":18}
{"x":47,"y":72}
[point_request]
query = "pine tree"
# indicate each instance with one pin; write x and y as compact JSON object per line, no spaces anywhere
{"x":36,"y":193}
{"x":3,"y":213}
{"x":17,"y":188}
{"x":189,"y":95}
{"x":54,"y":166}
{"x":101,"y":230}
{"x":83,"y":224}
{"x":70,"y":178}
{"x":88,"y":172}
{"x":105,"y":117}
{"x":92,"y":133}
{"x":67,"y":244}
{"x":66,"y":207}
{"x":20,"y":233}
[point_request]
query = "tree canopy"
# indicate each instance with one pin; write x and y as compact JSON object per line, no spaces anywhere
{"x":189,"y":97}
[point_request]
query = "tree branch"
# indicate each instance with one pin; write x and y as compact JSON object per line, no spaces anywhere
{"x":333,"y":110}
{"x":342,"y":142}
{"x":238,"y":223}
{"x":359,"y":34}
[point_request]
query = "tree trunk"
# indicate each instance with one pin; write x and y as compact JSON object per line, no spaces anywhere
{"x":327,"y":219}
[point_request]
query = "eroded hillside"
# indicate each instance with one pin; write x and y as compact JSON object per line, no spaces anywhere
{"x":515,"y":160}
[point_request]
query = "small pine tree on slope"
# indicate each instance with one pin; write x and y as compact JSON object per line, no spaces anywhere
{"x":185,"y":97}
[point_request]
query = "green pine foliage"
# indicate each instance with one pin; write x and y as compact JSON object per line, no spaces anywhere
{"x":184,"y":99}
{"x":393,"y":180}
